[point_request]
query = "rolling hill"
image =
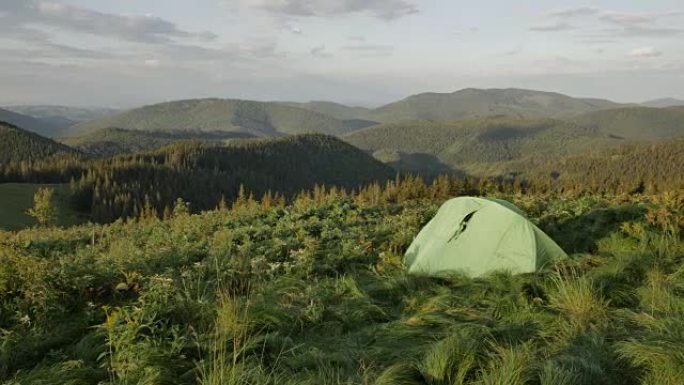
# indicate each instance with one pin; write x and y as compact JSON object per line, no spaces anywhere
{"x":474,"y":146}
{"x":637,"y":123}
{"x":18,"y":145}
{"x":28,"y":123}
{"x":249,"y":117}
{"x":114,"y":141}
{"x":664,"y":102}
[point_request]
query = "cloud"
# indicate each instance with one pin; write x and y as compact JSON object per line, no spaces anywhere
{"x":640,"y":24}
{"x":515,"y":51}
{"x":558,"y":26}
{"x":153,"y":63}
{"x":575,"y":12}
{"x":136,"y":28}
{"x":609,"y":23}
{"x":370,"y":50}
{"x":645,"y":52}
{"x":319,"y":51}
{"x":383,"y":9}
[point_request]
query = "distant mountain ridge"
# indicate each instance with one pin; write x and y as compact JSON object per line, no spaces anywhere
{"x":262,"y":119}
{"x":54,"y":121}
{"x":469,"y":103}
{"x":28,"y":123}
{"x":270,"y":119}
{"x":663,"y":103}
{"x":472,"y":103}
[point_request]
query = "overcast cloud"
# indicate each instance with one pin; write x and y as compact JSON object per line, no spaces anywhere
{"x":125,"y":53}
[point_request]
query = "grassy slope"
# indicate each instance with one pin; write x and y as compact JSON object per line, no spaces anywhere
{"x":115,"y":141}
{"x":18,"y":145}
{"x":256,"y":118}
{"x":17,"y":198}
{"x":315,"y":294}
{"x":639,"y":123}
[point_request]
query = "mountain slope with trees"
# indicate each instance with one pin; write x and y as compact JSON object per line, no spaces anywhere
{"x":203,"y":174}
{"x":18,"y":145}
{"x":635,"y":168}
{"x":476,"y":145}
{"x":637,"y":123}
{"x":114,"y":141}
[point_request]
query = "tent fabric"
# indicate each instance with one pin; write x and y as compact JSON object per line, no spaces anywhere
{"x":479,"y":235}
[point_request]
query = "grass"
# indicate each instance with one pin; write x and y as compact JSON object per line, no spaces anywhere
{"x":315,"y":293}
{"x":17,"y":198}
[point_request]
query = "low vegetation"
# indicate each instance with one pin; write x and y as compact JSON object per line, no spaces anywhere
{"x":314,"y":292}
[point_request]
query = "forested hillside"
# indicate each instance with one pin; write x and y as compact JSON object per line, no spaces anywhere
{"x":203,"y":175}
{"x":636,"y":168}
{"x":115,"y":141}
{"x":475,"y":145}
{"x":243,"y":116}
{"x":637,"y":123}
{"x":18,"y":145}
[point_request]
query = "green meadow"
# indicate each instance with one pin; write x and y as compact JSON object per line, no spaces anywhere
{"x":17,"y":198}
{"x":315,"y":292}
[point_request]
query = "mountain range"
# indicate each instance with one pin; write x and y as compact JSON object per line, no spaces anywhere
{"x":272,"y":119}
{"x":471,"y":130}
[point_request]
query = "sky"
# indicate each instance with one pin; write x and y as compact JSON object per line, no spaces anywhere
{"x":127,"y":53}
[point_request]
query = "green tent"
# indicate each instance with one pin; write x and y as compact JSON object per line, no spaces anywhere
{"x":477,"y":236}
